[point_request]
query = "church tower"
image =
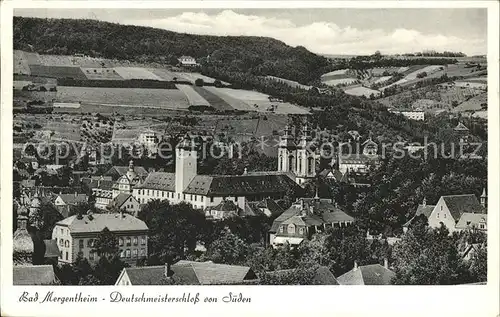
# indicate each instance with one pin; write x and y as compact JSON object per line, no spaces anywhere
{"x":22,"y":244}
{"x":185,"y":164}
{"x":287,"y":152}
{"x":306,"y":157}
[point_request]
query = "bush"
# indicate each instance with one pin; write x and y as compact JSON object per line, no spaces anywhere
{"x":422,"y":75}
{"x":199,"y":82}
{"x":217,"y":83}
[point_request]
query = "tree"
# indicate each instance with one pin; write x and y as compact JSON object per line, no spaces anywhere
{"x":106,"y":244}
{"x":228,"y":249}
{"x":218,"y":83}
{"x":199,"y":82}
{"x":479,"y":265}
{"x":428,"y":256}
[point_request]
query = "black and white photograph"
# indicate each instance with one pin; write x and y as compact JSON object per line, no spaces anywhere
{"x":248,"y":147}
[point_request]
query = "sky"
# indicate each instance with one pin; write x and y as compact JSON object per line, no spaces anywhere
{"x":322,"y":31}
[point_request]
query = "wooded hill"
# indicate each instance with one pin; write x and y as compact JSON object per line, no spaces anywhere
{"x":258,"y":55}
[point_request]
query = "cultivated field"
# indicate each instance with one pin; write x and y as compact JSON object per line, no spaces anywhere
{"x":362,"y":91}
{"x":192,"y":77}
{"x":194,"y":99}
{"x":290,"y":83}
{"x":260,"y":102}
{"x":234,"y":102}
{"x":135,"y":73}
{"x":382,"y":79}
{"x":101,"y":73}
{"x":20,"y":63}
{"x":57,"y":71}
{"x":64,"y":130}
{"x":213,"y":99}
{"x":165,"y":74}
{"x":161,"y":98}
{"x":340,"y":81}
{"x":473,"y":104}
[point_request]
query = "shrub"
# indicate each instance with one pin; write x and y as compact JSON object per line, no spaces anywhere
{"x":199,"y":82}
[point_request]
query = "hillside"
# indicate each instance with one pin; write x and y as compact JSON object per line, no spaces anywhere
{"x":258,"y":55}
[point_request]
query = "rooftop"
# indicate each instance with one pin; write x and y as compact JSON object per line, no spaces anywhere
{"x":97,"y":222}
{"x":33,"y":275}
{"x":458,"y":204}
{"x":208,"y":273}
{"x":373,"y":274}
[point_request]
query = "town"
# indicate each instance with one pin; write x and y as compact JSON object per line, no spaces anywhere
{"x":242,"y":161}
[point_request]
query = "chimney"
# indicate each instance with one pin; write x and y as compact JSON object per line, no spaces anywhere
{"x":386,"y":263}
{"x":355,"y":265}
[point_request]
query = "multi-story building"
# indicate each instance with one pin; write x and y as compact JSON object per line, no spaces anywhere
{"x":203,"y":191}
{"x":126,"y":182}
{"x":418,"y":115}
{"x":77,"y":234}
{"x":187,"y":61}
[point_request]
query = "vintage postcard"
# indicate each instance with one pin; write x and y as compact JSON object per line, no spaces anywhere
{"x":230,"y":157}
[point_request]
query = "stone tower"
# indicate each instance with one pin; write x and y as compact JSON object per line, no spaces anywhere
{"x":185,"y":163}
{"x":306,"y":157}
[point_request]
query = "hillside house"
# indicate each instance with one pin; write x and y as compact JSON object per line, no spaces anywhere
{"x":187,"y":61}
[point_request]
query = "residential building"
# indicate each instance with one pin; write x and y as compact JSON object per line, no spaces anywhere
{"x":304,"y":218}
{"x":422,"y":209}
{"x":149,"y":140}
{"x":373,"y":274}
{"x":188,"y":273}
{"x":116,"y":172}
{"x":322,"y":276}
{"x":125,"y":202}
{"x":418,"y":115}
{"x":77,"y":234}
{"x":126,"y":183}
{"x":34,"y":275}
{"x":64,"y":202}
{"x":458,"y":212}
{"x":358,"y":163}
{"x":266,"y":206}
{"x":187,"y":61}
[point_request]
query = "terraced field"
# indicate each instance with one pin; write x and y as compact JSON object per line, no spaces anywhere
{"x":164,"y":74}
{"x":194,"y":99}
{"x":101,"y":73}
{"x":57,"y":71}
{"x":473,"y":104}
{"x":214,"y":100}
{"x":135,"y":73}
{"x":362,"y":91}
{"x":290,"y":83}
{"x":234,"y":102}
{"x":160,"y":98}
{"x":192,"y":77}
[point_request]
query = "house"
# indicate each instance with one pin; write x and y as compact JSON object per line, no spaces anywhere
{"x":329,"y":173}
{"x":373,"y":274}
{"x":458,"y":212}
{"x":77,"y":234}
{"x":413,"y":114}
{"x":226,"y":209}
{"x":34,"y":275}
{"x":188,"y":273}
{"x":52,"y":252}
{"x":304,"y":218}
{"x":102,"y":189}
{"x":204,"y":191}
{"x":266,"y":206}
{"x":125,"y":202}
{"x":64,"y":202}
{"x":322,"y":276}
{"x":116,"y":172}
{"x":422,"y":209}
{"x":187,"y":61}
{"x":126,"y":182}
{"x":470,"y":250}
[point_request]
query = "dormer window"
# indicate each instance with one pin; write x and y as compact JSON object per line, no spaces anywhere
{"x":281,"y":229}
{"x":291,"y":228}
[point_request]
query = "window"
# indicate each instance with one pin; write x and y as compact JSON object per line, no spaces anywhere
{"x":122,"y":254}
{"x":62,"y":232}
{"x":134,"y":253}
{"x":468,"y":223}
{"x":195,"y":197}
{"x":482,"y":226}
{"x":184,"y":196}
{"x":201,"y":198}
{"x":148,"y":192}
{"x":444,"y":215}
{"x":66,"y":255}
{"x":135,"y":240}
{"x":437,"y":215}
{"x":143,"y":252}
{"x":128,"y":241}
{"x":291,"y":228}
{"x":162,"y":194}
{"x":281,"y":229}
{"x":441,"y":207}
{"x":61,"y":242}
{"x":301,"y":230}
{"x":178,"y":196}
{"x":120,"y":243}
{"x":80,"y":244}
{"x":143,"y":240}
{"x":211,"y":199}
{"x":127,"y":253}
{"x":66,"y":243}
{"x":60,"y":254}
{"x":91,"y":255}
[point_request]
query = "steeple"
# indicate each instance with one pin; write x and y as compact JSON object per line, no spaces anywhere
{"x":286,"y":140}
{"x":484,"y":198}
{"x":22,"y":244}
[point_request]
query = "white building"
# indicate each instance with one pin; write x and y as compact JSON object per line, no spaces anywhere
{"x":187,"y":61}
{"x":149,"y":140}
{"x":202,"y":191}
{"x":418,"y":115}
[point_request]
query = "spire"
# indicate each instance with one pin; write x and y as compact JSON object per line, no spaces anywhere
{"x":484,"y":197}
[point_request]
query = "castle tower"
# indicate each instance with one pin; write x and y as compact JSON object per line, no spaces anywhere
{"x":287,"y":152}
{"x":185,"y":163}
{"x":306,"y":157}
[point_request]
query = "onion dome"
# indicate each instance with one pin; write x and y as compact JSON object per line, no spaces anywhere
{"x":287,"y":140}
{"x":131,"y":174}
{"x":305,"y":140}
{"x":22,"y":242}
